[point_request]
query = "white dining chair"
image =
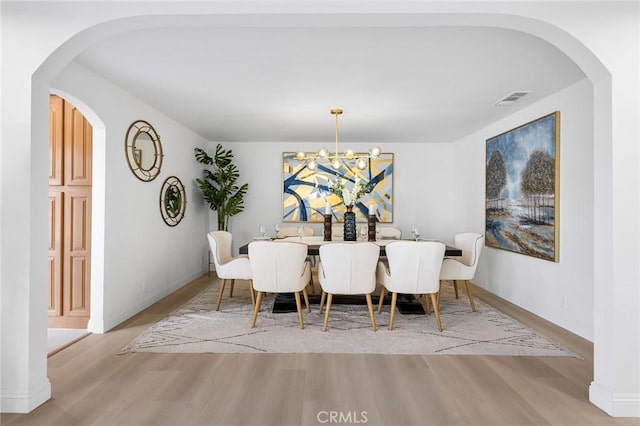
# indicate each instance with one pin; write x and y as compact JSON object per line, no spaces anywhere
{"x":279,"y":267}
{"x":347,"y":268}
{"x":227,"y":266}
{"x":414,"y":268}
{"x":463,"y":268}
{"x":292,"y":231}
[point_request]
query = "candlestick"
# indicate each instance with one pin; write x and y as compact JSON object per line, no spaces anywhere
{"x":327,"y":227}
{"x":371,"y":222}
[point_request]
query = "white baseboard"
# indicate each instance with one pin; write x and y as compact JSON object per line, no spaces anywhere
{"x":615,"y":404}
{"x":25,"y":402}
{"x":95,"y":326}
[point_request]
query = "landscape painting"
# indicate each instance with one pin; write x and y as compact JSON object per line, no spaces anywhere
{"x":522,"y":182}
{"x":305,"y":192}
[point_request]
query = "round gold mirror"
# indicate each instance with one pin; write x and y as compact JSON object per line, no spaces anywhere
{"x":173,"y":201}
{"x":143,"y":150}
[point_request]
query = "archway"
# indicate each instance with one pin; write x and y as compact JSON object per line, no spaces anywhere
{"x":585,"y":59}
{"x":96,"y":323}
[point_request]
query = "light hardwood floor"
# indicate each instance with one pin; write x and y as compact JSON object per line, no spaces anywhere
{"x":92,"y":385}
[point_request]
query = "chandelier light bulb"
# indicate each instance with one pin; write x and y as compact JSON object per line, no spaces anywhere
{"x":375,"y":152}
{"x":323,"y":152}
{"x":349,"y":154}
{"x":312,"y":165}
{"x":361,"y":163}
{"x":336,"y":164}
{"x":300,"y":155}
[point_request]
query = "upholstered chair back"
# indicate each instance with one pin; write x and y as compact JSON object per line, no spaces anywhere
{"x":348,"y":268}
{"x":279,"y":266}
{"x":220,"y":243}
{"x":226,"y":265}
{"x":414,"y":266}
{"x":471,"y":244}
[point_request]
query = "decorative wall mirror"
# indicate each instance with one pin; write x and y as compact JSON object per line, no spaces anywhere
{"x":143,"y":150}
{"x":173,"y":201}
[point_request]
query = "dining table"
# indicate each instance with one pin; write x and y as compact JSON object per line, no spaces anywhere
{"x":314,"y":242}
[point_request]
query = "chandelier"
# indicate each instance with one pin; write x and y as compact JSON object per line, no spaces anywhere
{"x":338,"y":158}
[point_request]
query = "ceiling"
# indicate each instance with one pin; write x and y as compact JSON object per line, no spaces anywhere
{"x":395,"y":84}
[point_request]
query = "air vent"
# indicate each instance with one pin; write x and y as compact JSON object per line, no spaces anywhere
{"x":511,"y":98}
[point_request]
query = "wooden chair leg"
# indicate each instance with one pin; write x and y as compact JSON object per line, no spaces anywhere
{"x":370,"y":306}
{"x":381,"y":299}
{"x":436,"y":311}
{"x":394,"y":298}
{"x":231,"y":288}
{"x":426,"y":305}
{"x":306,"y":298}
{"x":326,"y":315}
{"x":322,"y":299}
{"x":256,"y":309}
{"x":473,"y":305}
{"x":455,"y":287}
{"x":299,"y":308}
{"x":220,"y":294}
{"x":253,"y":296}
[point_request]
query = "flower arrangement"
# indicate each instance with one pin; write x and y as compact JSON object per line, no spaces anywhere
{"x":348,"y":197}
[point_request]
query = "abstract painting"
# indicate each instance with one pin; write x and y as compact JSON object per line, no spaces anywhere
{"x":522,"y":183}
{"x":305,"y":192}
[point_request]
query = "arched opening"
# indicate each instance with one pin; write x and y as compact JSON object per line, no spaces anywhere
{"x":97,"y":209}
{"x":594,"y":69}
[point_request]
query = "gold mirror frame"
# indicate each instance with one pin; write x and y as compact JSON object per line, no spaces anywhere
{"x":173,"y":201}
{"x":137,"y":156}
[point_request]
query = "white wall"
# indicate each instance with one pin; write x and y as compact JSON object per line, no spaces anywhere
{"x":139,"y":248}
{"x":421,"y":187}
{"x":559,"y":292}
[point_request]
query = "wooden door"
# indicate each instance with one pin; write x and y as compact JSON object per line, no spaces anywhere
{"x":69,"y":216}
{"x":55,"y":252}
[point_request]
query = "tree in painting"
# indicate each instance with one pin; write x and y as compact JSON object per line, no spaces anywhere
{"x":496,"y":180}
{"x":538,"y":185}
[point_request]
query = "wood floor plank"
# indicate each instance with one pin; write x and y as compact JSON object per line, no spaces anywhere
{"x":93,"y":385}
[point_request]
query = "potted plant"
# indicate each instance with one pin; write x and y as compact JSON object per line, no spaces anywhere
{"x":219,"y":187}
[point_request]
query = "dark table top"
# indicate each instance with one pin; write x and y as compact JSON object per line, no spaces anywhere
{"x":314,"y":249}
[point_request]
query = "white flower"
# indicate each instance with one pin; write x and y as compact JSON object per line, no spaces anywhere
{"x":349,"y":198}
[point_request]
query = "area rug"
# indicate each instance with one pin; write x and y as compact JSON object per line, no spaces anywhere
{"x":196,"y":327}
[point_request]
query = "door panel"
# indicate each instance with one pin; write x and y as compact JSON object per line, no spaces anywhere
{"x":77,"y":245}
{"x":56,"y":140}
{"x":78,"y":296}
{"x":77,"y":147}
{"x":55,"y":251}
